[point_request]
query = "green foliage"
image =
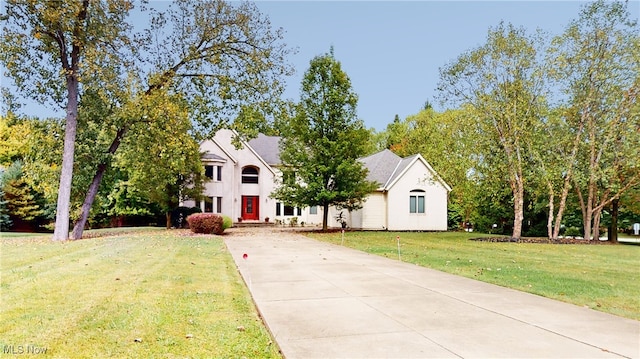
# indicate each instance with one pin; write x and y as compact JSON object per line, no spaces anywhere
{"x":5,"y":220}
{"x":596,"y":64}
{"x":323,"y":141}
{"x":227,"y":222}
{"x":22,"y":202}
{"x":206,"y":223}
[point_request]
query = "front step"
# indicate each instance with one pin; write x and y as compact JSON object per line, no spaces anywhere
{"x":253,"y":224}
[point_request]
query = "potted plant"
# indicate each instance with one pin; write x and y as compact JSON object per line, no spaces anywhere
{"x":266,"y":219}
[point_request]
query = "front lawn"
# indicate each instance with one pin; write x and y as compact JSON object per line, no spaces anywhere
{"x":602,"y":277}
{"x":143,"y":294}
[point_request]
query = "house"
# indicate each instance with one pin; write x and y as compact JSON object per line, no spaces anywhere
{"x":410,"y":196}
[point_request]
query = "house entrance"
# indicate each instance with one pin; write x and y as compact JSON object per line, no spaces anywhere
{"x":250,"y":207}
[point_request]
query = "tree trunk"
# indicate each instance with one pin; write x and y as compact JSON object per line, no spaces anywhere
{"x":78,"y":228}
{"x":61,"y":230}
{"x":325,"y":217}
{"x":597,"y":216}
{"x":562,"y":205}
{"x":550,"y":227}
{"x":613,"y":228}
{"x":518,"y":209}
{"x":168,"y":217}
{"x":90,"y":197}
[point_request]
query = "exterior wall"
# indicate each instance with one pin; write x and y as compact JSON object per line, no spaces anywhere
{"x":417,"y":177}
{"x":381,"y":210}
{"x":231,"y":188}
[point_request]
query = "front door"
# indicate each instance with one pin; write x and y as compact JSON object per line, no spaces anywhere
{"x":250,"y":208}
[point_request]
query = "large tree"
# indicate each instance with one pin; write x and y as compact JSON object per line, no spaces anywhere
{"x":49,"y":49}
{"x":502,"y":82}
{"x":324,"y":140}
{"x":219,"y":56}
{"x":597,"y":64}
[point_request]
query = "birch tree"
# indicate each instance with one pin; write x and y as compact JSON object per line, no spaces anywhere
{"x":597,"y":64}
{"x":502,"y":81}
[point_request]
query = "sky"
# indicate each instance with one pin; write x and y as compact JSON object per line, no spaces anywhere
{"x":392,"y":50}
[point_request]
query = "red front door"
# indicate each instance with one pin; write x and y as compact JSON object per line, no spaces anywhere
{"x":250,"y":208}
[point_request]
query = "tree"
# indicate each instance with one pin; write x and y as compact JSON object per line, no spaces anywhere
{"x":320,"y":150}
{"x":162,"y":160}
{"x":503,"y":83}
{"x":220,"y":57}
{"x":21,"y":200}
{"x":445,"y":140}
{"x":596,"y":62}
{"x":49,"y":49}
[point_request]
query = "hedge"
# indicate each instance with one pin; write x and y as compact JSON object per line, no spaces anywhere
{"x":207,"y":223}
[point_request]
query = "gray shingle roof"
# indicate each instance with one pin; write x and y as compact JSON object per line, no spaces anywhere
{"x":212,"y":157}
{"x":267,"y":147}
{"x":384,"y":166}
{"x":381,"y":166}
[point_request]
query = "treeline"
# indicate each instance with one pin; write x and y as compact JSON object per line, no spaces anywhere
{"x":544,"y":135}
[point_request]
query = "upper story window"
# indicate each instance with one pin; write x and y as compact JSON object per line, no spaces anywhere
{"x":249,"y":175}
{"x":416,"y":201}
{"x":213,"y":173}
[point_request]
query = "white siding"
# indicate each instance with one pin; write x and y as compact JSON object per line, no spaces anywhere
{"x":417,"y":177}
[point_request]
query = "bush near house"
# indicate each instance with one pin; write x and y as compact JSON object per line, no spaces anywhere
{"x":206,"y":223}
{"x":226,"y":222}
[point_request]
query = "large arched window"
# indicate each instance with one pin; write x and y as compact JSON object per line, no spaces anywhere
{"x":250,"y":175}
{"x":416,"y":201}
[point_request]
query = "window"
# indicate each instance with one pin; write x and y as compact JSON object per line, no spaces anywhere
{"x":208,"y":171}
{"x":218,"y":204}
{"x":288,"y":210}
{"x":278,"y":206}
{"x":299,"y":211}
{"x":313,"y":210}
{"x":416,"y":201}
{"x":249,"y":175}
{"x":212,"y":172}
{"x":208,"y":204}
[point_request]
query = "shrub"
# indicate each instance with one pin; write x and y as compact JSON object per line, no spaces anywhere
{"x":573,"y":232}
{"x":180,"y":214}
{"x":226,"y":222}
{"x":207,"y":223}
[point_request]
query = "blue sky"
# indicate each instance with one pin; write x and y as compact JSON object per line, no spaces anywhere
{"x":392,"y":50}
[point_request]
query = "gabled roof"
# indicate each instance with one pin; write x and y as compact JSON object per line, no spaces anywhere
{"x":267,"y":147}
{"x":385,"y":168}
{"x":381,"y":166}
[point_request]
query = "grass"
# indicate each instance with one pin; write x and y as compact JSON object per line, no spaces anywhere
{"x":602,"y":277}
{"x":138,"y":294}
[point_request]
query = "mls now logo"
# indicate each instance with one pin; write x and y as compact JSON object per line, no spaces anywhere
{"x":23,"y":349}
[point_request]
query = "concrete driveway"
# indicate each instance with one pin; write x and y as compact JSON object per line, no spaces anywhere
{"x":326,"y":301}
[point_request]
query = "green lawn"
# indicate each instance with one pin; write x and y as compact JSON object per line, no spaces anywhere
{"x":602,"y":277}
{"x":143,"y":294}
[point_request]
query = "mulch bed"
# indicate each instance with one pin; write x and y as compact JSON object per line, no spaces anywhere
{"x":538,"y":240}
